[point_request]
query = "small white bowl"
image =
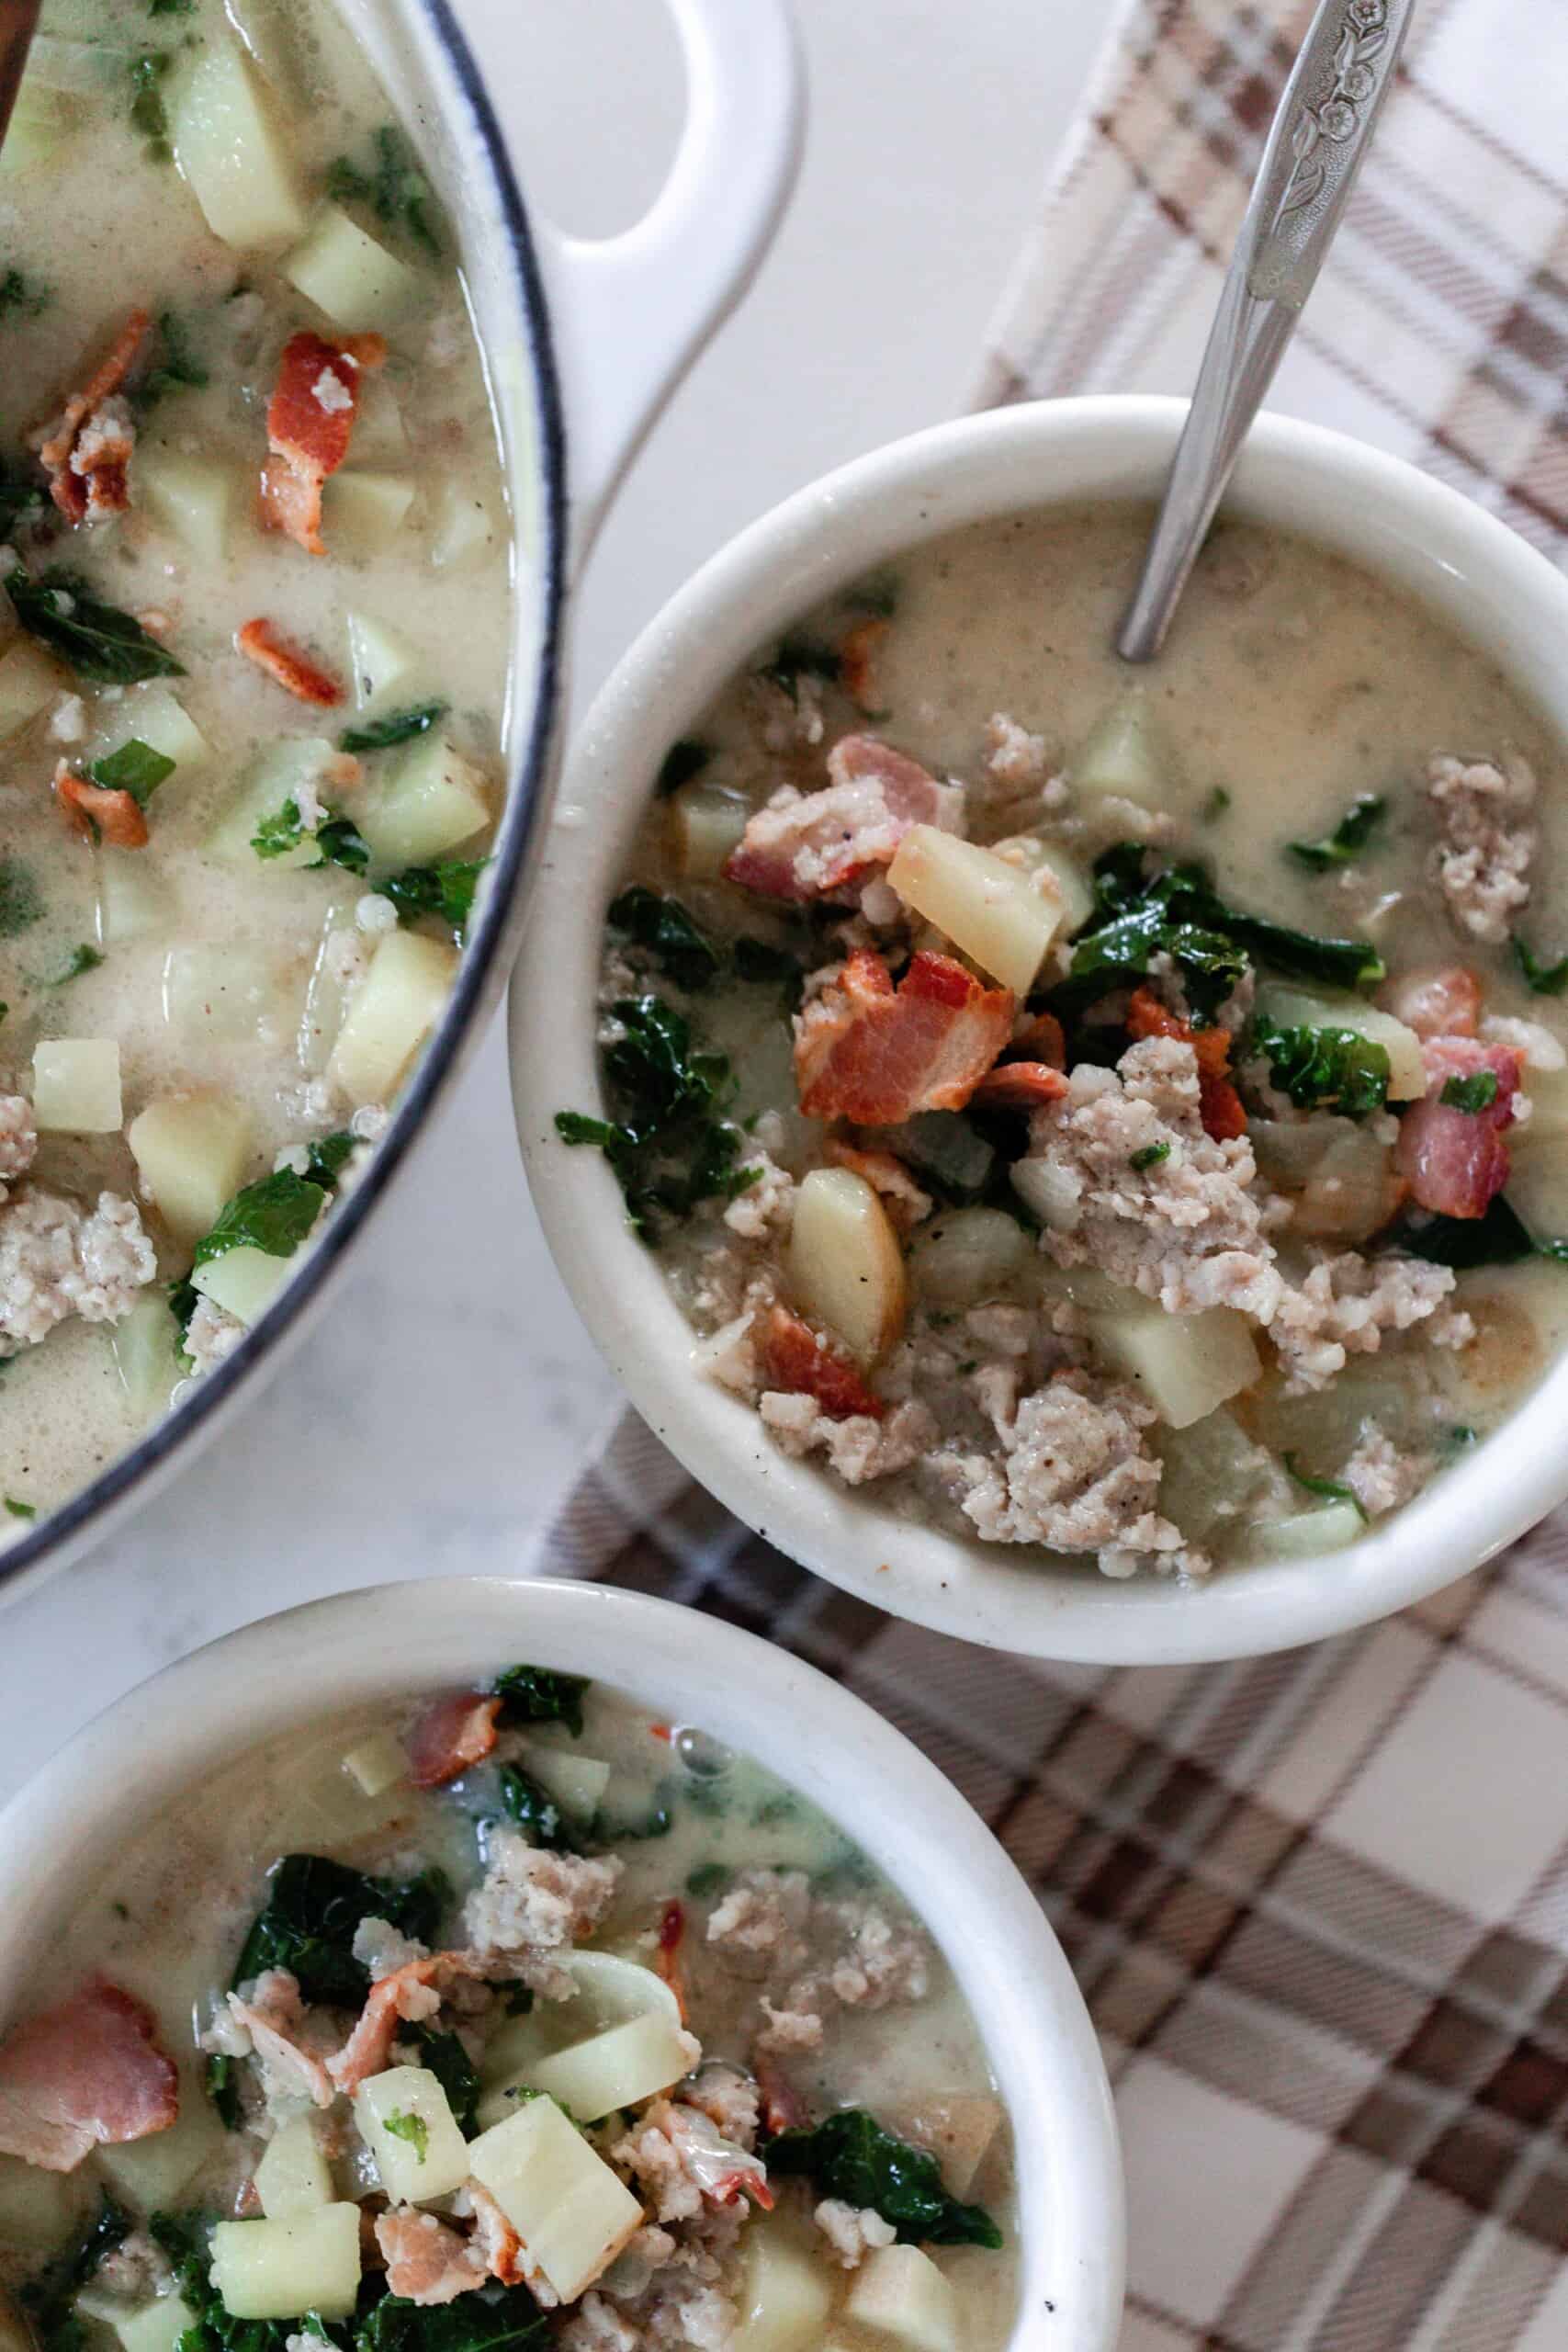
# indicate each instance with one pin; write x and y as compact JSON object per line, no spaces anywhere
{"x":393,"y":1641}
{"x":1470,"y":568}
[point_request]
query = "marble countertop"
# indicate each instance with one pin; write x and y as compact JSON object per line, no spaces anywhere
{"x":432,"y":1424}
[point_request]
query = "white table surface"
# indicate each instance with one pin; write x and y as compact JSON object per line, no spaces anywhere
{"x":431,"y":1426}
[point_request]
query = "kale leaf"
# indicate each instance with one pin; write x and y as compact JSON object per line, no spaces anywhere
{"x":760,"y":964}
{"x":135,"y":768}
{"x":1497,"y":1237}
{"x":446,"y":889}
{"x":21,"y":298}
{"x":80,"y":959}
{"x":339,"y":842}
{"x":538,"y":1694}
{"x":312,"y":1908}
{"x":397,"y":727}
{"x":801,"y":655}
{"x":663,"y":927}
{"x":183,"y":2238}
{"x":273,"y":1215}
{"x":95,"y":640}
{"x":283,"y":830}
{"x":148,"y":113}
{"x":223,"y":2090}
{"x":1326,"y":1069}
{"x":1475,"y":1094}
{"x":21,"y":500}
{"x":1347,"y":840}
{"x":848,"y":2154}
{"x":1149,"y":1157}
{"x":535,"y":1810}
{"x":448,"y":2060}
{"x":47,"y":2298}
{"x":394,"y":187}
{"x":668,"y":1146}
{"x":1328,"y":1490}
{"x":489,"y":2319}
{"x":178,"y":369}
{"x":683,"y":760}
{"x":1545,"y":979}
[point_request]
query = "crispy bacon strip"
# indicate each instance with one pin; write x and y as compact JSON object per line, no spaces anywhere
{"x":857,"y":661}
{"x":1436,"y":1004}
{"x":832,"y":840}
{"x":87,"y":2073}
{"x":1040,"y":1039}
{"x":411,"y":1993}
{"x":260,"y":643}
{"x":783,"y":2107}
{"x":1456,"y":1161}
{"x":98,"y":814}
{"x":453,"y":1734}
{"x":273,"y":2017}
{"x":494,"y":2238}
{"x":309,"y":423}
{"x":876,"y":1054}
{"x":86,"y":455}
{"x":793,"y":1358}
{"x":1219,"y":1104}
{"x":427,"y":2261}
{"x":1019,"y":1086}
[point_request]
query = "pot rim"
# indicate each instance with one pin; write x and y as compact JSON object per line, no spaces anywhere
{"x":1500,"y":592}
{"x":818,"y":1735}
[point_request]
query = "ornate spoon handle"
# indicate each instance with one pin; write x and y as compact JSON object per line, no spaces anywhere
{"x":1316,"y":142}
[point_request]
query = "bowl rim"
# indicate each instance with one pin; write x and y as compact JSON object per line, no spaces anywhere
{"x":1476,"y":572}
{"x":387,"y":1640}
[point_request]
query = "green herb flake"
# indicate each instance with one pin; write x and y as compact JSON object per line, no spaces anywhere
{"x":411,"y":2128}
{"x":1215,"y":808}
{"x":21,"y":297}
{"x":1324,"y":1068}
{"x":1349,"y":839}
{"x":1544,"y":979}
{"x":19,"y":1510}
{"x":682,"y":762}
{"x":393,"y":188}
{"x":1475,"y":1094}
{"x":801,"y":655}
{"x":21,"y":900}
{"x":1150,"y":1156}
{"x":135,"y":768}
{"x":96,"y":640}
{"x":223,"y":2090}
{"x":538,"y":1694}
{"x":850,"y":2156}
{"x":662,"y":927}
{"x":176,"y":368}
{"x":1327,"y":1490}
{"x":148,"y":113}
{"x":708,"y":1878}
{"x":81,"y":959}
{"x":397,"y":727}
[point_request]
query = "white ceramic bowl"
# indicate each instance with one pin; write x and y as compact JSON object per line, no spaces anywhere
{"x":393,"y":1640}
{"x":1470,"y":568}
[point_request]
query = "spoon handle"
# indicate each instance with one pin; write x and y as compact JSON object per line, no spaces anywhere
{"x":19,"y":22}
{"x":1316,"y":142}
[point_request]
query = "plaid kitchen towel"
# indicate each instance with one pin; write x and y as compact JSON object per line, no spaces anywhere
{"x":1318,"y":1903}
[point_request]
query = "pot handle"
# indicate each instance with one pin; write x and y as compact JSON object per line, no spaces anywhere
{"x":629,"y":313}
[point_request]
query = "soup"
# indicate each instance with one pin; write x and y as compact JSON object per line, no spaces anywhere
{"x":1113,"y":1115}
{"x":520,"y":2008}
{"x":254,"y":621}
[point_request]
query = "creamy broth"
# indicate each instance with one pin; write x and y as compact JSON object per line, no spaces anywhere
{"x":216,"y":979}
{"x":1005,"y":1326}
{"x":699,"y":1837}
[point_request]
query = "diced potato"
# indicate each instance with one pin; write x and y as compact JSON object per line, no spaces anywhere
{"x":1307,"y":1532}
{"x":383,"y":663}
{"x":1125,"y":753}
{"x":277,"y":2269}
{"x":1214,"y":1477}
{"x":377,"y":1763}
{"x":959,"y":2127}
{"x":1002,"y":916}
{"x":902,"y":2298}
{"x":424,"y":802}
{"x":154,"y":2327}
{"x":1049,"y":1190}
{"x":785,"y":2293}
{"x":348,"y":275}
{"x":76,"y":1085}
{"x":38,"y":2208}
{"x":428,"y":2156}
{"x":29,"y":681}
{"x":362,"y":512}
{"x":226,"y":995}
{"x":142,"y":1345}
{"x":155,"y":2172}
{"x":964,"y":1256}
{"x":1069,"y":878}
{"x":1294,"y":1008}
{"x":192,"y":497}
{"x":1183,"y":1364}
{"x":293,"y":2176}
{"x":1548,"y":1091}
{"x":616,"y":2069}
{"x":611,"y":1992}
{"x":380,"y":436}
{"x":134,"y":900}
{"x":706,"y":823}
{"x":578,"y":1782}
{"x":39,"y":127}
{"x":572,"y":2213}
{"x":463,"y":527}
{"x":232,"y":151}
{"x":1536,"y":1189}
{"x":242,"y":1281}
{"x":272,"y":778}
{"x":191,"y":1152}
{"x":391,"y":1013}
{"x":153,"y":715}
{"x":843,"y":1262}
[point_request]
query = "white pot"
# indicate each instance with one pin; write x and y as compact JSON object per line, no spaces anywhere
{"x":102,"y":1791}
{"x":1475,"y":573}
{"x":584,"y":340}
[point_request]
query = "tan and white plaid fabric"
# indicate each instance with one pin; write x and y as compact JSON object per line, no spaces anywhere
{"x":1318,"y":1903}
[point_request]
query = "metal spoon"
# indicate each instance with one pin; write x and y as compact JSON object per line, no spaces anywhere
{"x":1316,"y":142}
{"x":19,"y":22}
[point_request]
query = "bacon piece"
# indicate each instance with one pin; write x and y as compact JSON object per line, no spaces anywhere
{"x":87,"y":2073}
{"x":1019,"y":1086}
{"x":457,"y":1731}
{"x":309,"y":423}
{"x":866,"y":1052}
{"x":721,"y":2171}
{"x":832,"y":840}
{"x":1456,"y":1161}
{"x":1040,"y":1039}
{"x":411,"y":1993}
{"x":494,"y":2239}
{"x":857,"y":660}
{"x":426,"y":2261}
{"x":796,"y":1359}
{"x":98,"y":814}
{"x":273,"y":2017}
{"x":1219,"y":1105}
{"x":260,"y":643}
{"x":1436,"y":1004}
{"x":87,"y":449}
{"x":906,"y":1203}
{"x":671,"y":1934}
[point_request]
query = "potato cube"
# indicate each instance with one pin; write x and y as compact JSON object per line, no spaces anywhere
{"x":377,"y":1763}
{"x":1184,"y":1365}
{"x":615,"y":2069}
{"x":1001,"y":915}
{"x":1307,"y":1532}
{"x":277,"y":2269}
{"x":578,"y":1782}
{"x":226,"y":995}
{"x":191,"y":1152}
{"x":355,"y":281}
{"x":707,"y":823}
{"x":1125,"y":755}
{"x":392,"y":1012}
{"x":232,"y":152}
{"x":464,"y":529}
{"x":572,"y":2213}
{"x":844,"y":1264}
{"x":76,"y":1085}
{"x":786,"y":2292}
{"x":960,"y":2128}
{"x":29,"y":681}
{"x":293,"y":2176}
{"x":270,"y":781}
{"x":154,"y":2327}
{"x":242,"y":1281}
{"x":362,"y":512}
{"x":407,"y":2123}
{"x":383,"y":663}
{"x":154,"y":716}
{"x":192,"y":497}
{"x":142,"y":1345}
{"x":1537,"y":1189}
{"x":426,"y":801}
{"x":155,"y":2171}
{"x":133,"y":898}
{"x":966,"y":1256}
{"x":900,"y":2297}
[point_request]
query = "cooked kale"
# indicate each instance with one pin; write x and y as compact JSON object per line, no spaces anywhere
{"x":850,"y":2156}
{"x":47,"y":2298}
{"x":394,"y":188}
{"x":490,"y":2319}
{"x":663,"y":927}
{"x":21,"y":500}
{"x":668,"y":1143}
{"x":535,"y":1810}
{"x":183,"y":2238}
{"x":223,"y":2090}
{"x":538,"y":1694}
{"x":1477,"y":1092}
{"x":95,"y":640}
{"x":1497,"y":1237}
{"x":135,"y":768}
{"x":339,"y":842}
{"x":1325,"y":1069}
{"x":273,"y":1214}
{"x":708,"y":1878}
{"x":148,"y":114}
{"x":19,"y":1510}
{"x":446,"y":889}
{"x":80,"y":959}
{"x":312,"y":1908}
{"x":1347,"y":840}
{"x":1328,"y":1490}
{"x":177,"y":370}
{"x":280,"y":833}
{"x":453,"y":2068}
{"x":684,"y":758}
{"x":20,"y":296}
{"x":760,"y":964}
{"x":1546,"y":979}
{"x":21,"y":900}
{"x":397,"y":727}
{"x":801,"y":655}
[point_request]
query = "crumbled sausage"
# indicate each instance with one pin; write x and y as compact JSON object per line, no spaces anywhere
{"x":57,"y":1260}
{"x":766,"y":1209}
{"x":19,"y":1138}
{"x":1381,"y":1475}
{"x":852,"y":2234}
{"x":1345,"y":1305}
{"x":765,"y":1912}
{"x":533,"y":1902}
{"x":382,"y":1949}
{"x":859,"y":1448}
{"x":1482,"y":862}
{"x":210,"y":1335}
